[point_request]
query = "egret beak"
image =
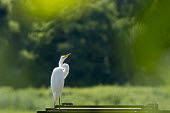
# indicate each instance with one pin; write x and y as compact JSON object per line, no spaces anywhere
{"x":67,"y":55}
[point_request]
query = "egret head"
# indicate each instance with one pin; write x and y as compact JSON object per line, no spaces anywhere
{"x":63,"y":57}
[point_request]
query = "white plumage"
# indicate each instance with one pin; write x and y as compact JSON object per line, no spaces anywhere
{"x":57,"y":82}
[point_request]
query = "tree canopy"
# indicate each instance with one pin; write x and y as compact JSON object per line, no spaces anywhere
{"x":102,"y":35}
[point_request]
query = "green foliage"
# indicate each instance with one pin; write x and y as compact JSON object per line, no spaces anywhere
{"x":37,"y":99}
{"x":16,"y":111}
{"x":97,"y":38}
{"x":96,"y":32}
{"x":31,"y":10}
{"x":151,"y":43}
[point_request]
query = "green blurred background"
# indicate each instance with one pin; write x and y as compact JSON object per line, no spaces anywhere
{"x":121,"y":43}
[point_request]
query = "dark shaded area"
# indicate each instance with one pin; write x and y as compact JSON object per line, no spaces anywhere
{"x":98,"y":40}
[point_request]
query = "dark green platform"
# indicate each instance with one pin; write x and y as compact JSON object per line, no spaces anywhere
{"x":70,"y":108}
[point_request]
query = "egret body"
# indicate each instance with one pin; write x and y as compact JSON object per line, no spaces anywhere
{"x":57,"y":78}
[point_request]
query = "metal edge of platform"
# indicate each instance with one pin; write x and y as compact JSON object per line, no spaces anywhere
{"x":70,"y":108}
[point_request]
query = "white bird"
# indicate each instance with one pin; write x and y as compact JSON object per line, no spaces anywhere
{"x":57,"y":78}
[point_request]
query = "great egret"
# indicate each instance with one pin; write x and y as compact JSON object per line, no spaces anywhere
{"x":57,"y":78}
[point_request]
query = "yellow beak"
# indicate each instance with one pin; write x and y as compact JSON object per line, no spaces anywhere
{"x":67,"y":55}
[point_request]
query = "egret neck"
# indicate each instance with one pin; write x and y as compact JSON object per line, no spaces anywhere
{"x":64,"y":66}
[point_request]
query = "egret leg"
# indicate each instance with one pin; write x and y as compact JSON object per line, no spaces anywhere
{"x":59,"y":103}
{"x":54,"y":104}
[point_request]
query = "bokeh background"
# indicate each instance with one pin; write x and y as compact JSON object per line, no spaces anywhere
{"x":118,"y":46}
